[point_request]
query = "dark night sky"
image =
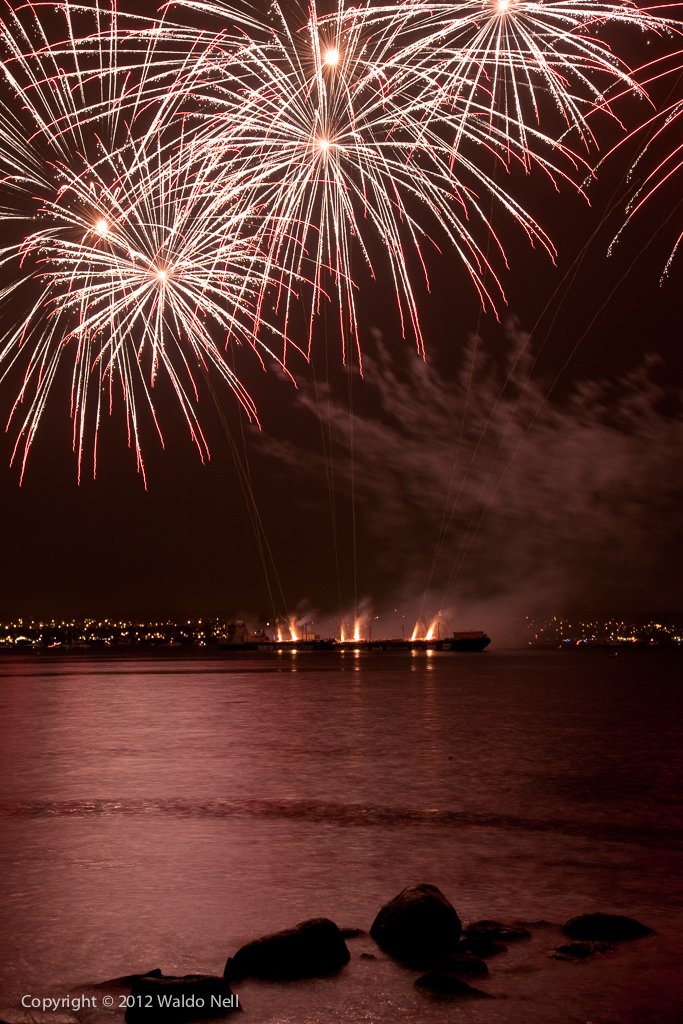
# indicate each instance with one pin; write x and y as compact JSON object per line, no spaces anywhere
{"x":562,"y":491}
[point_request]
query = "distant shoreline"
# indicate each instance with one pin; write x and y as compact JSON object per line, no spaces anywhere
{"x":224,"y":651}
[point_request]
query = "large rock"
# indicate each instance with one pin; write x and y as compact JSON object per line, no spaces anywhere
{"x":605,"y":928}
{"x":313,"y":949}
{"x":169,"y":1000}
{"x":418,"y":927}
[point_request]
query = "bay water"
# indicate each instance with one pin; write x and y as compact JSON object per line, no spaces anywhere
{"x":160,"y":810}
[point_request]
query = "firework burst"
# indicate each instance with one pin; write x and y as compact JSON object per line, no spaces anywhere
{"x":175,"y":191}
{"x":325,"y":130}
{"x":132,"y":267}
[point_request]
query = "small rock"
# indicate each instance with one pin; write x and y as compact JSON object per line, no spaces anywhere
{"x":170,"y":1000}
{"x":128,"y":980}
{"x":419,"y":926}
{"x":442,"y":983}
{"x":352,"y":933}
{"x":11,"y":1015}
{"x":481,"y":946}
{"x":581,"y":950}
{"x":496,"y":930}
{"x":605,"y":928}
{"x":367,"y":956}
{"x":463,"y":964}
{"x":313,"y":949}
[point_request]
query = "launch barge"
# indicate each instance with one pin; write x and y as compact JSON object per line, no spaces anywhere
{"x":470,"y":642}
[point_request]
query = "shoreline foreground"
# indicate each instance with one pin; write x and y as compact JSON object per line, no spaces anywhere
{"x":418,"y":931}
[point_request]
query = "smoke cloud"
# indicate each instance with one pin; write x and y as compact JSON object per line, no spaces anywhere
{"x":484,"y":491}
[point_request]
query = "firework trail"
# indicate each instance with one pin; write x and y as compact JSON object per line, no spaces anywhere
{"x":526,"y":61}
{"x":666,"y":161}
{"x":130,"y":265}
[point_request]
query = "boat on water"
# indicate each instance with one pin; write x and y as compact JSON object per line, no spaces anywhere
{"x":472,"y":640}
{"x":475,"y":640}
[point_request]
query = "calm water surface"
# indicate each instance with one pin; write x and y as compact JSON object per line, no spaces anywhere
{"x":160,"y":811}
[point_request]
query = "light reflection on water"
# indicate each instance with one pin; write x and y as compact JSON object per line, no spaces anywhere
{"x":159,"y":812}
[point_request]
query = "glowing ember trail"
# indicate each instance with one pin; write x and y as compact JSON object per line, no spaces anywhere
{"x":660,"y":160}
{"x":432,"y":631}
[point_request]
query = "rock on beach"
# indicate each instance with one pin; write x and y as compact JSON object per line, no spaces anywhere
{"x":605,"y":928}
{"x":581,"y":950}
{"x":159,"y":999}
{"x":312,"y":949}
{"x":443,"y":983}
{"x":418,"y":927}
{"x":496,"y":931}
{"x":481,"y":946}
